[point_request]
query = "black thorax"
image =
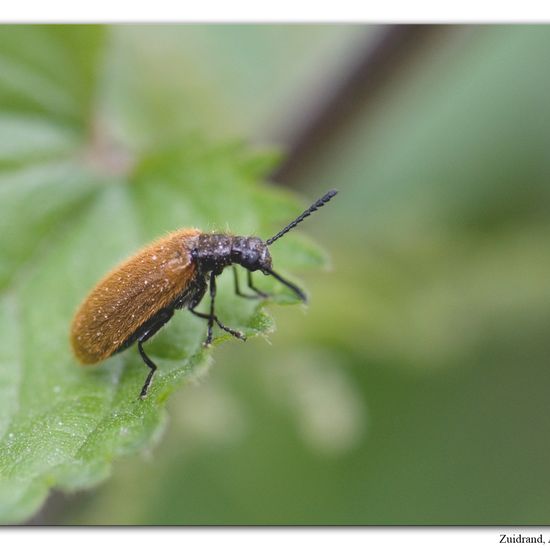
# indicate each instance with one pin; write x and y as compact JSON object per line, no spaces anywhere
{"x":214,"y":252}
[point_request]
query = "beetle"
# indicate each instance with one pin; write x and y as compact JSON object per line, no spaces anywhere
{"x":137,"y":298}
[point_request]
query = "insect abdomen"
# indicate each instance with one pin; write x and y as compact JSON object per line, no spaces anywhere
{"x":131,"y":294}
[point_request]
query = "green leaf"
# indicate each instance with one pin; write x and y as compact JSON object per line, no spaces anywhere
{"x":72,"y":205}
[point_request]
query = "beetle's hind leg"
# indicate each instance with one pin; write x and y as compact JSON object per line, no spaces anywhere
{"x":152,"y":370}
{"x":150,"y":330}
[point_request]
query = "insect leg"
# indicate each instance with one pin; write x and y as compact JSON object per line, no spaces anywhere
{"x":233,"y":332}
{"x":152,"y":370}
{"x":259,"y":293}
{"x":237,"y":289}
{"x":212,"y":315}
{"x":158,"y":322}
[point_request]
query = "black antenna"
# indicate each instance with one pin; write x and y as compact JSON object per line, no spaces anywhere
{"x":294,"y":288}
{"x":316,"y":205}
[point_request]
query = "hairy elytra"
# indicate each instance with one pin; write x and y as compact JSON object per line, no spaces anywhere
{"x":133,"y":302}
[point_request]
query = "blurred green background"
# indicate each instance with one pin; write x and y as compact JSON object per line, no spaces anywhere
{"x":414,"y":389}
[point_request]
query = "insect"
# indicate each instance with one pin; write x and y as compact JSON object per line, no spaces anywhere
{"x":135,"y":300}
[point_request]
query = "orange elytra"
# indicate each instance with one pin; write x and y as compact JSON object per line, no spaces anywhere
{"x":137,"y":298}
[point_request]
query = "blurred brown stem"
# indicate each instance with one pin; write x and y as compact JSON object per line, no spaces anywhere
{"x":377,"y":63}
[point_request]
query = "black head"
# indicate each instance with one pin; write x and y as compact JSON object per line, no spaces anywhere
{"x":252,"y":253}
